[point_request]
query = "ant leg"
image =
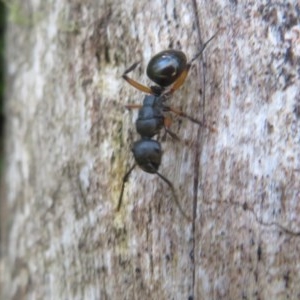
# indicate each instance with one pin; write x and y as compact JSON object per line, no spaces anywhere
{"x":133,"y":106}
{"x":172,"y":134}
{"x":134,"y":83}
{"x":174,"y":194}
{"x":184,"y":115}
{"x":125,"y":179}
{"x":167,"y":122}
{"x":202,"y":49}
{"x":131,"y":68}
{"x":180,"y":80}
{"x":167,"y":125}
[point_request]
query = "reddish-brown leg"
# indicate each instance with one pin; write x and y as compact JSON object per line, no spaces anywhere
{"x":167,"y":125}
{"x":134,"y":83}
{"x":125,"y":179}
{"x":180,"y":80}
{"x":133,"y":106}
{"x":184,"y":115}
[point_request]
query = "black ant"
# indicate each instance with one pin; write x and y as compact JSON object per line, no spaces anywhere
{"x":167,"y":68}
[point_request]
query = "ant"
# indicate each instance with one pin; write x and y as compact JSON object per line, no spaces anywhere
{"x":167,"y":68}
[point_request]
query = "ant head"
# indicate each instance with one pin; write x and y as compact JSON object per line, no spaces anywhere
{"x":147,"y":154}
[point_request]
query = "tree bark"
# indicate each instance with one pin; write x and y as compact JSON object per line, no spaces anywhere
{"x":68,"y":141}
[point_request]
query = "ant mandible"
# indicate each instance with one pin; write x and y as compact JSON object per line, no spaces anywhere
{"x":167,"y":68}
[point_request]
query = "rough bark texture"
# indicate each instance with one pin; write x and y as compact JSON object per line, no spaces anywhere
{"x":68,"y":141}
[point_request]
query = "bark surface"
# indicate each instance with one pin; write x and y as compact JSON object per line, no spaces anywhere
{"x":68,"y":141}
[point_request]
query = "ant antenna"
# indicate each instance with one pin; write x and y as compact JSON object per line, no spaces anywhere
{"x":174,"y":194}
{"x":204,"y":46}
{"x":125,"y":179}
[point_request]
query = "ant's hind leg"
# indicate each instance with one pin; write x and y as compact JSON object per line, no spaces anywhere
{"x":134,"y":83}
{"x":180,"y":81}
{"x":133,"y":106}
{"x":131,"y":68}
{"x":203,"y":47}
